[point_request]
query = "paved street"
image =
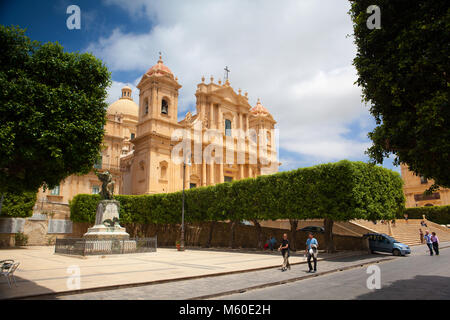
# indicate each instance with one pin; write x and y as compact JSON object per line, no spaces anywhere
{"x":43,"y":272}
{"x":204,"y":287}
{"x":418,"y":276}
{"x":401,"y":277}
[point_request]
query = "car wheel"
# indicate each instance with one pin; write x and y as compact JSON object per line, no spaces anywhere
{"x":396,"y":252}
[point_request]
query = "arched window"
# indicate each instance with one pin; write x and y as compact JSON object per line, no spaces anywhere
{"x":227,"y":127}
{"x":146,"y":106}
{"x":164,"y":107}
{"x":163,"y":170}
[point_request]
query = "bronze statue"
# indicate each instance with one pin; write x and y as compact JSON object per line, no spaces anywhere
{"x":107,"y":185}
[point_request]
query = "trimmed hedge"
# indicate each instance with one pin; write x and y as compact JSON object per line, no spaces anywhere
{"x":18,"y":205}
{"x":339,"y":191}
{"x":436,"y":214}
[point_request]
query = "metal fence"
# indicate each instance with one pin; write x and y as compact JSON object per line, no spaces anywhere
{"x":86,"y":247}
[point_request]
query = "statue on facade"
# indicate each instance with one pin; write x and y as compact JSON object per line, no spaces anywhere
{"x":107,"y":191}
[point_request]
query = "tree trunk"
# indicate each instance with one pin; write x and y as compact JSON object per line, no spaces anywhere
{"x":328,"y":225}
{"x":1,"y":203}
{"x":260,"y":235}
{"x":211,"y":231}
{"x":294,"y":224}
{"x":232,"y":234}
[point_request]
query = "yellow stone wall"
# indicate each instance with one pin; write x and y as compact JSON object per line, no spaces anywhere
{"x":414,"y":188}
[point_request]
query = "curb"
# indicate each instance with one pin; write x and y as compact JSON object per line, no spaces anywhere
{"x":276,"y":283}
{"x":140,"y":284}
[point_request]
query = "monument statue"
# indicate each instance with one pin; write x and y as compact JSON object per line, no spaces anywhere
{"x":107,"y":191}
{"x":107,"y":225}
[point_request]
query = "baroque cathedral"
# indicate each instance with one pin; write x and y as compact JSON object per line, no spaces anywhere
{"x":139,"y":144}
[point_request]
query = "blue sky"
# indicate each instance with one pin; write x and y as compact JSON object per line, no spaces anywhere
{"x":297,"y":58}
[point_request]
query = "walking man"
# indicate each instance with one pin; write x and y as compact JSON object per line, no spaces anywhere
{"x":284,"y":248}
{"x":311,"y":251}
{"x":435,"y":241}
{"x":428,"y":241}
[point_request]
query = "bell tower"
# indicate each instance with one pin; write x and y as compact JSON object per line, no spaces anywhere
{"x":151,"y":168}
{"x":158,"y":98}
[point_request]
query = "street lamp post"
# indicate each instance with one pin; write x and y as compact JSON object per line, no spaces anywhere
{"x":182,"y":208}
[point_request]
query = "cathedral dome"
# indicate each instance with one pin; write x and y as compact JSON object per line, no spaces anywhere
{"x":159,"y":68}
{"x":125,"y":105}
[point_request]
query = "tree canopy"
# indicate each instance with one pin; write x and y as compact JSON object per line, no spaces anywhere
{"x":338,"y":191}
{"x":17,"y":205}
{"x":404,"y":71}
{"x":52,"y":111}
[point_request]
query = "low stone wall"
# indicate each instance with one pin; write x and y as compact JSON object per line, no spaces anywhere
{"x":196,"y":235}
{"x":7,"y":240}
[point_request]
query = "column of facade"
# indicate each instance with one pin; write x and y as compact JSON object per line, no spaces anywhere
{"x":188,"y":176}
{"x":220,"y":125}
{"x":203,"y":172}
{"x":221,"y":177}
{"x":211,"y":173}
{"x":153,"y":105}
{"x":211,"y":116}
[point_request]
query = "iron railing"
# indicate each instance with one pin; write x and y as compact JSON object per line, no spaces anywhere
{"x":86,"y":247}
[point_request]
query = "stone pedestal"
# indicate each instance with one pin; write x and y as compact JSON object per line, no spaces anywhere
{"x":106,"y":209}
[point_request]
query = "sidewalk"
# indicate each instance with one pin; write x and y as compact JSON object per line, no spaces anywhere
{"x":42,"y":272}
{"x":225,"y":285}
{"x":214,"y":287}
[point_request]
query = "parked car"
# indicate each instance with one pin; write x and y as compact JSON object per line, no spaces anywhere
{"x":313,"y":229}
{"x":383,"y":243}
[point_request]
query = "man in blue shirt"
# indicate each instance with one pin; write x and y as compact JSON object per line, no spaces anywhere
{"x":427,"y":238}
{"x":311,"y":251}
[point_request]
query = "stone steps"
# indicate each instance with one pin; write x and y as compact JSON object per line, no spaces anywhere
{"x":406,"y":232}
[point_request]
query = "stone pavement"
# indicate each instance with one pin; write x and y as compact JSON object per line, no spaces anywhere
{"x":214,"y":287}
{"x":43,"y":272}
{"x":416,"y":277}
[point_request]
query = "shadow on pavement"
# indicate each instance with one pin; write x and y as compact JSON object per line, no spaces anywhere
{"x":421,"y":287}
{"x":24,"y":287}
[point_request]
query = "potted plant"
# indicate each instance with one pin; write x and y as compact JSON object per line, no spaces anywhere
{"x":178,"y":245}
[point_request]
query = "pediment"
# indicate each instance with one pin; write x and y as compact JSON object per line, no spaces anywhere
{"x":227,"y":94}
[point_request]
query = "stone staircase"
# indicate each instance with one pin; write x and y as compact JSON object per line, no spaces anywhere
{"x":405,"y":232}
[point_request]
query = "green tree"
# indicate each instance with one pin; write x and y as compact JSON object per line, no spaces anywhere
{"x":348,"y":190}
{"x":404,"y":71}
{"x":17,"y":205}
{"x":340,"y":191}
{"x":52,"y":111}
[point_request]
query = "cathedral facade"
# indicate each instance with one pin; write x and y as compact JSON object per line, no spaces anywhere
{"x":148,"y":150}
{"x":216,"y":142}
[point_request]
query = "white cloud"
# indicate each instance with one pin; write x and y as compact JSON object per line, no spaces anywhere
{"x":294,"y":55}
{"x":115,"y":91}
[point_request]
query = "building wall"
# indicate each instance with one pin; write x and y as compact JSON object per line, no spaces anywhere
{"x":116,"y":142}
{"x":414,"y":187}
{"x":150,"y":168}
